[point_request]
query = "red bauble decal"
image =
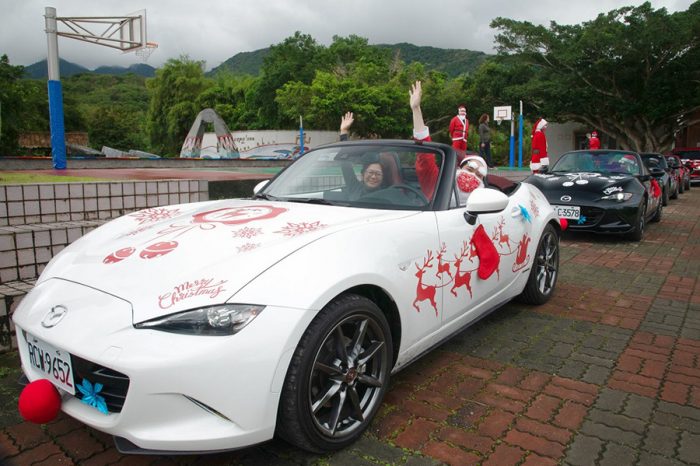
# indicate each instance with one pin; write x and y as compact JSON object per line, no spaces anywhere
{"x":238,"y":215}
{"x":119,"y":255}
{"x":158,"y":249}
{"x":39,"y":402}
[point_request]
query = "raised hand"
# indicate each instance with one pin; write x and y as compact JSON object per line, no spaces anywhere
{"x":415,"y":93}
{"x":346,"y":122}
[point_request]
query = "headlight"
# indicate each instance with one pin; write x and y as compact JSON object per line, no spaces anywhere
{"x":620,"y":197}
{"x":223,"y":319}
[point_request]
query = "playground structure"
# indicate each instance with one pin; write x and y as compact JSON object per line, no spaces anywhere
{"x":225,"y":147}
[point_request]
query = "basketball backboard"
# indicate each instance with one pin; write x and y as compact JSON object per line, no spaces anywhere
{"x":125,"y":33}
{"x":502,"y":113}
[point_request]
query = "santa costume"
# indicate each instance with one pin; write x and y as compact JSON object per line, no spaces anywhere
{"x":459,"y":127}
{"x":594,"y":143}
{"x":539,"y":159}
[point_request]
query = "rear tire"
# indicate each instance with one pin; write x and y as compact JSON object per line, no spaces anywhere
{"x":681,"y":186}
{"x":665,"y":195}
{"x":659,"y":213}
{"x":545,"y":269}
{"x":675,"y":192}
{"x":337,"y":377}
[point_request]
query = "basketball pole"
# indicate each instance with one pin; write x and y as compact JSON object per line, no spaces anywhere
{"x":58,"y":133}
{"x":520,"y":136}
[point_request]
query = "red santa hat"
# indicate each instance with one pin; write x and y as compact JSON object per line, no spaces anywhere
{"x":594,"y":134}
{"x":534,"y":127}
{"x":476,"y":162}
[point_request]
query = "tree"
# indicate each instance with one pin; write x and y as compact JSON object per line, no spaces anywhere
{"x":172,"y":109}
{"x":295,"y":59}
{"x":10,"y":106}
{"x":631,"y":72}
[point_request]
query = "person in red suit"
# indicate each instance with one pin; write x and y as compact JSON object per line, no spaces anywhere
{"x":539,"y":158}
{"x":471,"y":170}
{"x":459,"y":128}
{"x":594,"y":143}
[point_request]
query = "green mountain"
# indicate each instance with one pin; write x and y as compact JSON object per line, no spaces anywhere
{"x":39,"y":70}
{"x":242,"y":63}
{"x":451,"y":61}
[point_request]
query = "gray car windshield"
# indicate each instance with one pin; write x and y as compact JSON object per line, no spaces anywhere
{"x":368,"y":176}
{"x":618,"y":162}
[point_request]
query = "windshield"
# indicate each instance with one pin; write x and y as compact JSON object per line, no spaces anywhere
{"x":654,"y":160}
{"x":617,"y":162}
{"x":371,"y":176}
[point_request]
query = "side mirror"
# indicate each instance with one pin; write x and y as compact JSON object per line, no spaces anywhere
{"x":484,"y":201}
{"x":260,"y":186}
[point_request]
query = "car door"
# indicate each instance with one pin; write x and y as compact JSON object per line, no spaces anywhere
{"x":465,"y":295}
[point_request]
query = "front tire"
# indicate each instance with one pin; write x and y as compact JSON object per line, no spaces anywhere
{"x":638,"y":233}
{"x":545,"y":270}
{"x":338,"y":376}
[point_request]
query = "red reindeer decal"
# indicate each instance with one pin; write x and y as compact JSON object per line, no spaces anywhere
{"x":462,"y":279}
{"x":425,"y":292}
{"x":472,"y":252}
{"x":442,"y":267}
{"x":500,"y":236}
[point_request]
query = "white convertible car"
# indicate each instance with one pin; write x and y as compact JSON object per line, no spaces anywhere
{"x":216,"y":325}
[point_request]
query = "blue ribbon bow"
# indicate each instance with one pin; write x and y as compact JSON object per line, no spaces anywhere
{"x":91,"y":397}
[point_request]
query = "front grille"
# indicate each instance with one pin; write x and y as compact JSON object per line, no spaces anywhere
{"x":592,"y":215}
{"x":115,"y":384}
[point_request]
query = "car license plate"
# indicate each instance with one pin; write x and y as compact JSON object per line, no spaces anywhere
{"x":568,"y":212}
{"x":54,"y":363}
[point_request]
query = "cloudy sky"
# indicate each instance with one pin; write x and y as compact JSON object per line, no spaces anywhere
{"x":214,"y":30}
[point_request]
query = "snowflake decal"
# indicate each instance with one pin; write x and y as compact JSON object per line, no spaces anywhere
{"x":248,"y":247}
{"x":154,"y":215}
{"x":247,"y":232}
{"x":296,"y":229}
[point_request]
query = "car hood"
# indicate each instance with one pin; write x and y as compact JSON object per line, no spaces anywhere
{"x":581,"y":183}
{"x":167,"y":259}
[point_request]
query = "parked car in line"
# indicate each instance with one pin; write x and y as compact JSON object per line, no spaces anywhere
{"x":216,"y":325}
{"x":690,"y":157}
{"x":602,"y":191}
{"x":678,"y":171}
{"x":668,"y":183}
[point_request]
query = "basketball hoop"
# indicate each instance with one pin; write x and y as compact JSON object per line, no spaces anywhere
{"x":144,"y":52}
{"x":499,"y":120}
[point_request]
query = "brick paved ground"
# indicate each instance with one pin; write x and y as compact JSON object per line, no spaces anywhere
{"x":607,"y":372}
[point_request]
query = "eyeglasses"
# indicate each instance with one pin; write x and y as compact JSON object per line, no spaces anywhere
{"x":374,"y":173}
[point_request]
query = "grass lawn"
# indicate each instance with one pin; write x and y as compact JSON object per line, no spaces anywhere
{"x":30,"y":178}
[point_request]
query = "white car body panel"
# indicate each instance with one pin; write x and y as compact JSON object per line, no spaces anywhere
{"x":195,"y":393}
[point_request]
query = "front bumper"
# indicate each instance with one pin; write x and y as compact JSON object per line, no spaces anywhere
{"x":185,"y":393}
{"x":605,"y":217}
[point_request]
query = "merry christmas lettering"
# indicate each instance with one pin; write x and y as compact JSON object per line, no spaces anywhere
{"x":191,"y":289}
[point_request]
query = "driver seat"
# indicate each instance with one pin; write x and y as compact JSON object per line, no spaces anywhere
{"x":390,"y":162}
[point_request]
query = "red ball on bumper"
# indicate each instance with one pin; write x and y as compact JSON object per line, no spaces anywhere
{"x":39,"y":402}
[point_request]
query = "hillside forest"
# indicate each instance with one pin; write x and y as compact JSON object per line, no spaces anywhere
{"x":631,"y":73}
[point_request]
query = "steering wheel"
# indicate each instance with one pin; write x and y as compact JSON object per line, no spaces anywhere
{"x":415,"y":191}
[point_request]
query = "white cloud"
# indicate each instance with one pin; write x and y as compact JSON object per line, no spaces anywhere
{"x":215,"y":30}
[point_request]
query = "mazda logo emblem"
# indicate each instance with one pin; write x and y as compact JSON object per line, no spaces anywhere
{"x":566,"y":198}
{"x":54,"y":316}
